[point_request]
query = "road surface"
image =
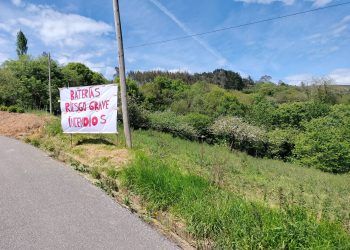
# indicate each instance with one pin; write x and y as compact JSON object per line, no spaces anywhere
{"x":46,"y":205}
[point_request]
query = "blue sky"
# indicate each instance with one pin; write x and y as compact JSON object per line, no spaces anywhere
{"x":292,"y":49}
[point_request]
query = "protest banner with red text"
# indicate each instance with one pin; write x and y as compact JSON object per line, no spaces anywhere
{"x":89,"y":109}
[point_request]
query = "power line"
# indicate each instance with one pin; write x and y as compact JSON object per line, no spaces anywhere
{"x":238,"y":26}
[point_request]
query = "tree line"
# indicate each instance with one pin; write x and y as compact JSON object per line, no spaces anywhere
{"x":225,"y":78}
{"x":24,"y":82}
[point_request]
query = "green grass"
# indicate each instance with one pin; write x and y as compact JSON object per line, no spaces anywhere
{"x":262,"y":180}
{"x":228,"y":220}
{"x":228,"y":198}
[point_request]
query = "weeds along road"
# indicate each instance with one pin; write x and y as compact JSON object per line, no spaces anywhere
{"x":45,"y":205}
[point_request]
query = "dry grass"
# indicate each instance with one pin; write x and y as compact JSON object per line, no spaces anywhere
{"x":98,"y":154}
{"x":19,"y":125}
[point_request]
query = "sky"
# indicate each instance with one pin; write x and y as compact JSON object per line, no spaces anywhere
{"x":292,"y":49}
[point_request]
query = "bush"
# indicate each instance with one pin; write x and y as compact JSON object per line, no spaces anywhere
{"x":15,"y":109}
{"x":171,"y":123}
{"x":20,"y":110}
{"x":261,"y":112}
{"x":201,"y":123}
{"x":292,"y":114}
{"x":241,"y":135}
{"x":137,"y":114}
{"x":160,"y":93}
{"x":287,"y":115}
{"x":3,"y":108}
{"x":281,"y":143}
{"x":325,"y":144}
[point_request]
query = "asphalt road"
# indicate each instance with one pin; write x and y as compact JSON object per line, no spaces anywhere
{"x":46,"y":205}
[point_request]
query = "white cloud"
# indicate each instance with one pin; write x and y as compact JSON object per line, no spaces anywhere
{"x":69,"y":37}
{"x":3,"y":41}
{"x":3,"y":57}
{"x":86,"y":58}
{"x":17,"y":2}
{"x":109,"y":72}
{"x":341,"y":27}
{"x":57,"y":28}
{"x":5,"y":27}
{"x":297,"y":79}
{"x":221,"y":61}
{"x":181,"y":70}
{"x":330,"y":40}
{"x":321,"y":3}
{"x":341,"y":76}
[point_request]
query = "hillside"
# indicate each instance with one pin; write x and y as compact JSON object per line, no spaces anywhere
{"x":220,"y":160}
{"x":162,"y":171}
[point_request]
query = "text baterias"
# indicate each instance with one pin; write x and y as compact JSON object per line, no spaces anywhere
{"x":82,"y":93}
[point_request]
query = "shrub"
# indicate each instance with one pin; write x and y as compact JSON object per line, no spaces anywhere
{"x":240,"y":135}
{"x":160,"y":93}
{"x":219,"y":102}
{"x":325,"y":144}
{"x":261,"y":112}
{"x":20,"y":110}
{"x":12,"y":109}
{"x":292,"y":114}
{"x":200,"y":122}
{"x":15,"y":109}
{"x":171,"y":123}
{"x":281,"y":143}
{"x":287,"y":115}
{"x":3,"y":108}
{"x":137,"y":114}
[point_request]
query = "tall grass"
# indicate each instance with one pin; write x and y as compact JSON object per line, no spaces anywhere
{"x":271,"y":182}
{"x":224,"y":218}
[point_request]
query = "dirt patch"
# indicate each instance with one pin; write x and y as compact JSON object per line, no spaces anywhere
{"x":19,"y":125}
{"x":90,"y":153}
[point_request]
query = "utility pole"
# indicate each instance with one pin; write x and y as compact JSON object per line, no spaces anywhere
{"x":122,"y":73}
{"x":49,"y":58}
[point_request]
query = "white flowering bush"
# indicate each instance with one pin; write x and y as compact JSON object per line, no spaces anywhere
{"x":240,"y":135}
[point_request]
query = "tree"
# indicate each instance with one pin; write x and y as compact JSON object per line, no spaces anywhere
{"x":247,"y":82}
{"x":323,"y":90}
{"x":227,"y":79}
{"x":265,"y":79}
{"x":282,"y":83}
{"x":22,"y":47}
{"x":78,"y":74}
{"x":325,"y":144}
{"x":306,"y":89}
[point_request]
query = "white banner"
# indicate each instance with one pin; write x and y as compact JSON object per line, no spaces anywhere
{"x":89,"y":109}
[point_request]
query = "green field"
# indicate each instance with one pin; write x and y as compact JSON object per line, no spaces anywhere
{"x":255,"y":179}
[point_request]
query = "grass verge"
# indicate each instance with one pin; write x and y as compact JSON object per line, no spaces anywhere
{"x":224,"y":199}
